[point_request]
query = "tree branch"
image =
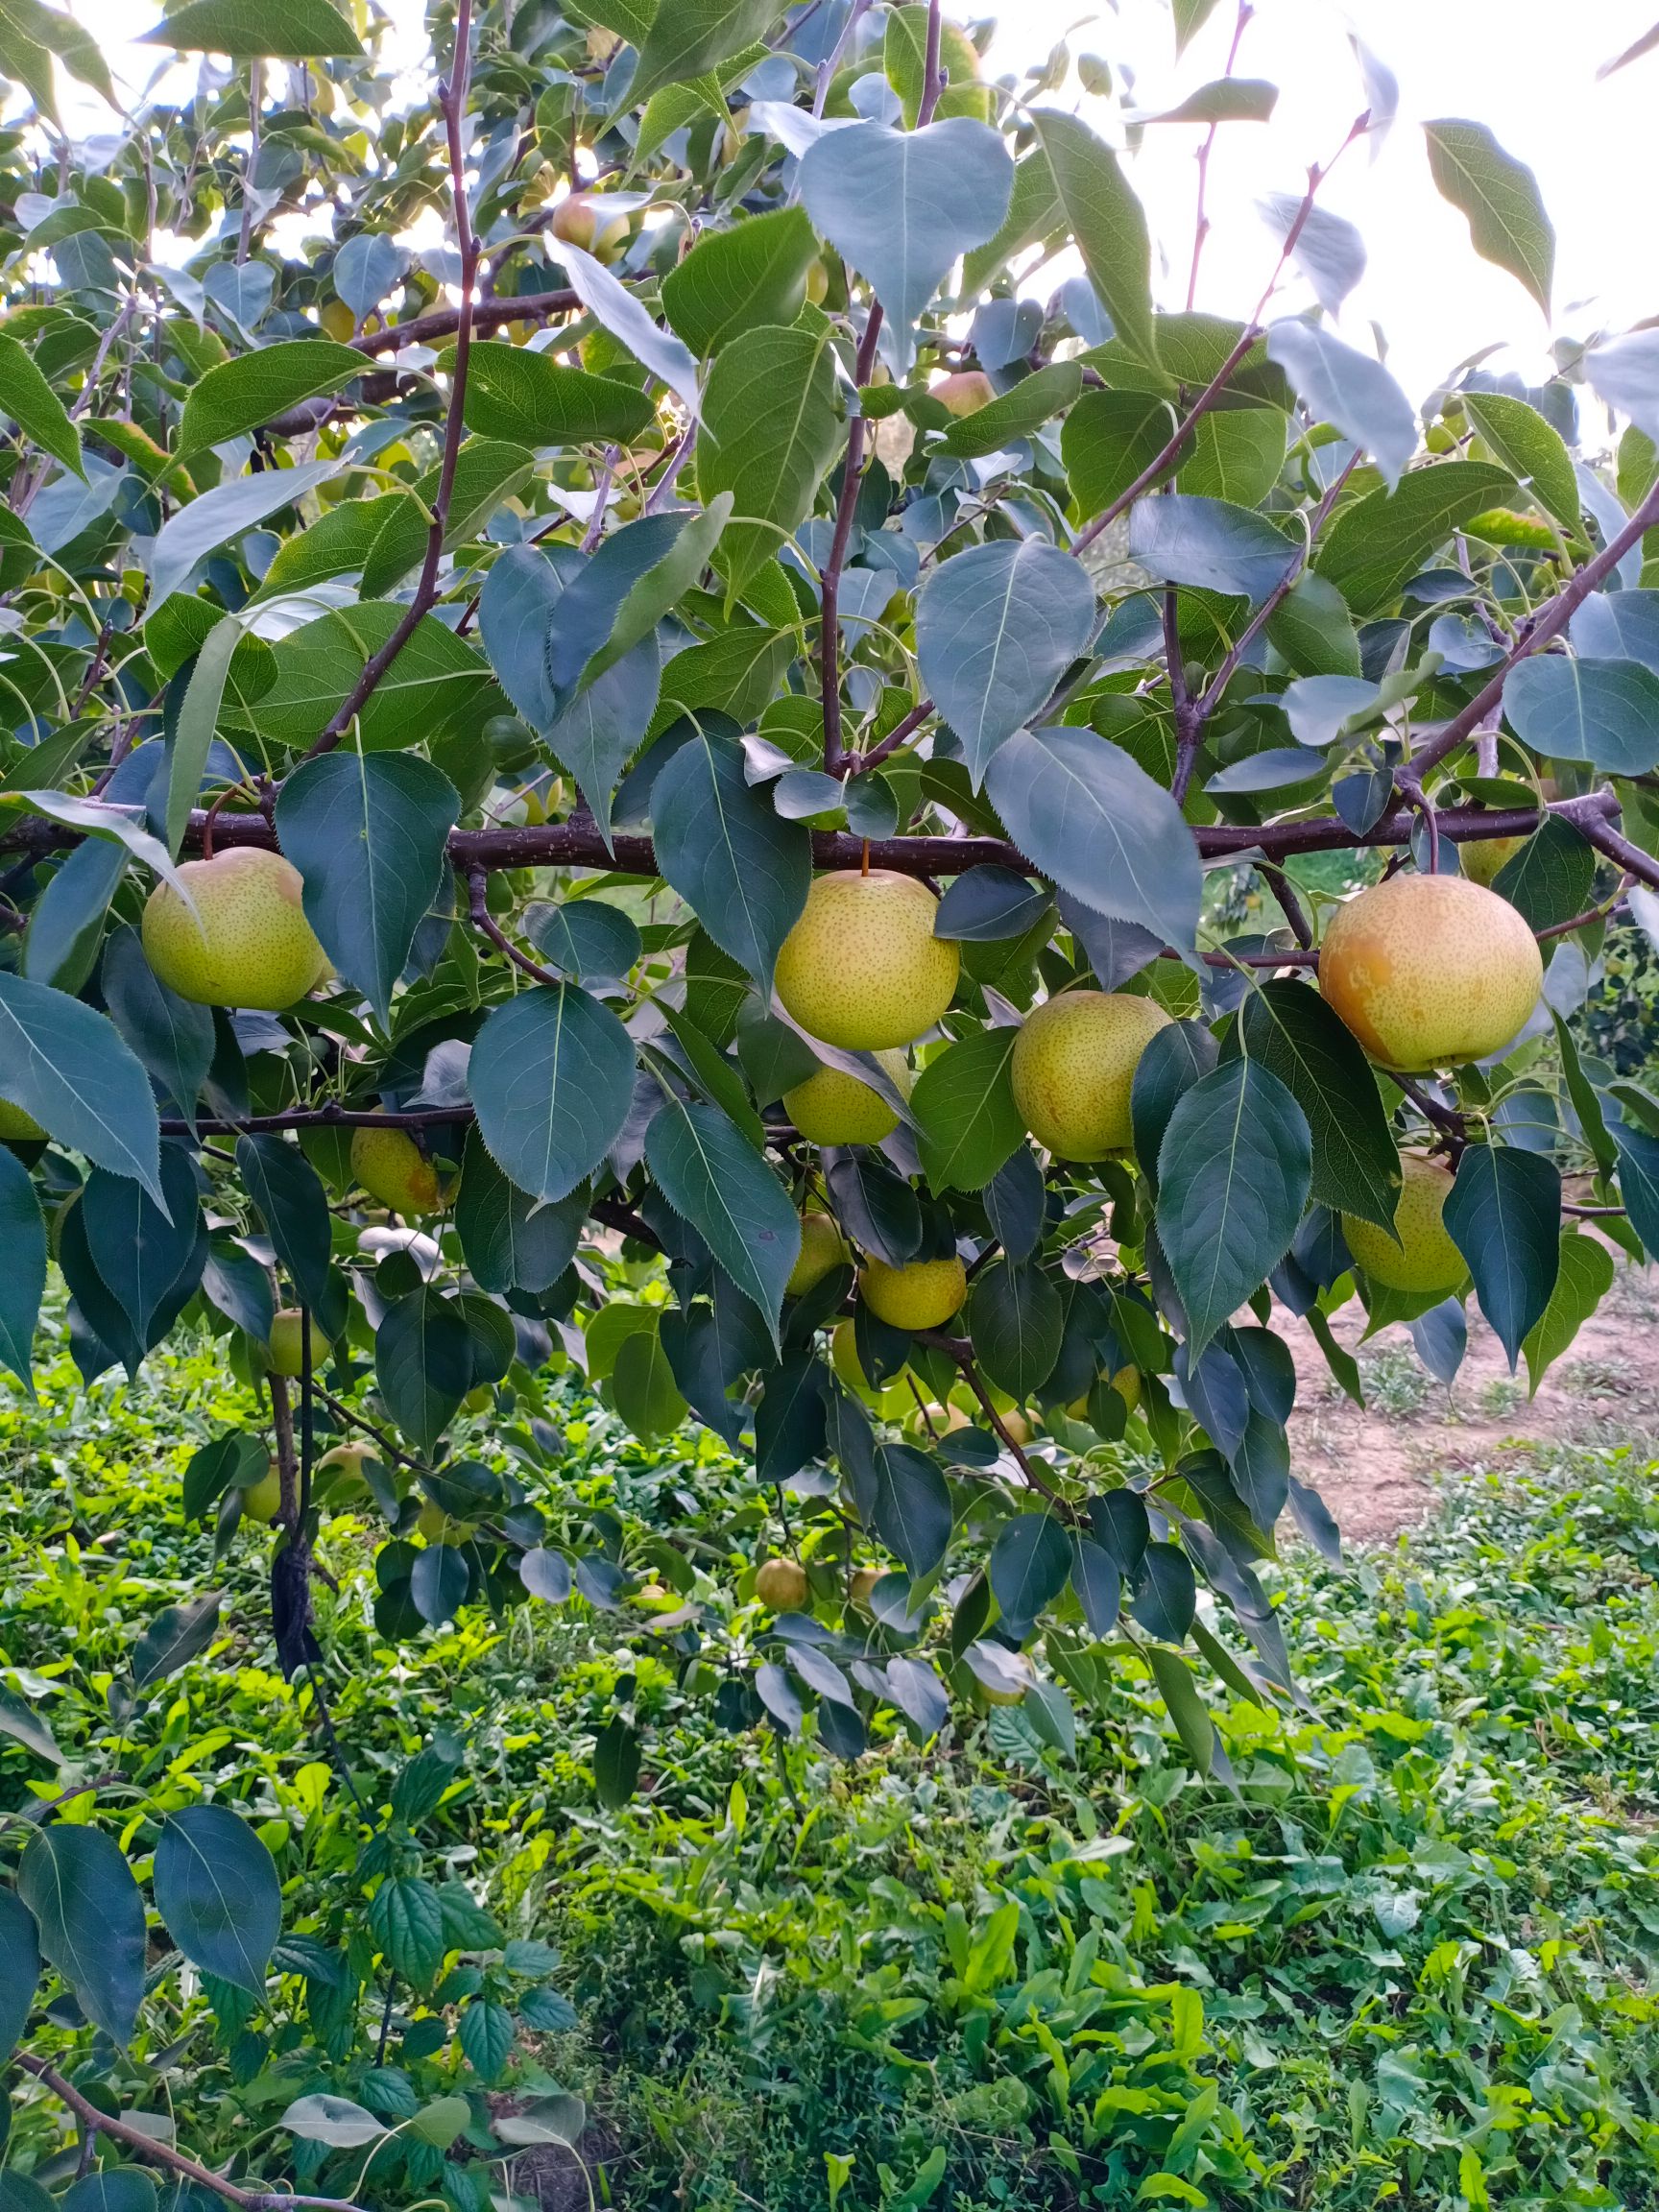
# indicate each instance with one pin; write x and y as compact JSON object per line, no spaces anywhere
{"x":146,"y":2148}
{"x":837,"y":762}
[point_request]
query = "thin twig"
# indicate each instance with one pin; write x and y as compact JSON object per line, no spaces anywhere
{"x":1201,"y":223}
{"x":1275,"y":598}
{"x":255,"y":102}
{"x":146,"y":2148}
{"x":837,"y":762}
{"x":478,"y":906}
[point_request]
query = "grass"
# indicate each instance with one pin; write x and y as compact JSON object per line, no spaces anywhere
{"x":1410,"y":1963}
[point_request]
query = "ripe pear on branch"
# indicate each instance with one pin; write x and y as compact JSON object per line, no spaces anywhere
{"x":241,"y":940}
{"x":861,"y":968}
{"x":1430,"y":970}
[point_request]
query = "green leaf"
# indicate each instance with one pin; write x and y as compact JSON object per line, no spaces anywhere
{"x":966,"y":1123}
{"x":1376,"y":546}
{"x":248,"y":30}
{"x":65,"y":1064}
{"x":740,"y":280}
{"x":487,"y":472}
{"x":912,"y":1512}
{"x":90,"y":1917}
{"x":1016,"y":413}
{"x":1504,"y":1217}
{"x":110,"y":2189}
{"x":336,"y":2120}
{"x":1532,"y":448}
{"x":71,"y":42}
{"x":1110,"y":439}
{"x":1108,"y":224}
{"x":1168,"y":1597}
{"x":1094,"y":822}
{"x":531,"y":399}
{"x":1501,"y":199}
{"x":1034,"y":212}
{"x":178,"y":1634}
{"x":289,"y":1194}
{"x":1584,"y":1279}
{"x":423,"y":1364}
{"x":509,"y":1239}
{"x":661,"y":586}
{"x":629,"y":321}
{"x":1235,"y":454}
{"x":1312,"y":629}
{"x":437,"y":1583}
{"x":217,"y":1889}
{"x":551,"y":1078}
{"x":996,"y":627}
{"x":1224,"y":100}
{"x":239,"y":395}
{"x":1233,"y":1171}
{"x":714,"y":1179}
{"x":203,"y":525}
{"x":24,"y":1724}
{"x":1295,"y":1035}
{"x":35,"y":408}
{"x":744,"y":872}
{"x":1350,"y":390}
{"x":1028,"y":1567}
{"x":368,"y":833}
{"x":1184,"y":1706}
{"x":235,"y":1460}
{"x":198,"y":721}
{"x":643,"y":1387}
{"x":1549,"y":880}
{"x":406,"y":1919}
{"x":688,"y":37}
{"x":769,"y":434}
{"x":486,"y":2034}
{"x":1638,"y":1183}
{"x":903,"y":206}
{"x":1190,"y":17}
{"x":1016,"y":1317}
{"x":1209,"y":543}
{"x":616,"y":1766}
{"x":23,"y":1278}
{"x":20,"y":1970}
{"x":1602,"y":712}
{"x":139,"y":1249}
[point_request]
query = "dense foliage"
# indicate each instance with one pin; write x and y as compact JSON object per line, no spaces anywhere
{"x":600,"y":789}
{"x":1410,"y":1962}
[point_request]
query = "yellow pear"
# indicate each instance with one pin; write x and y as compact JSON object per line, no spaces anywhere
{"x":782,"y":1584}
{"x":892,"y":1400}
{"x":19,"y":1128}
{"x":864,"y":1581}
{"x":1430,"y":971}
{"x":830,"y":1108}
{"x":1480,"y":858}
{"x":582,"y":219}
{"x":436,"y":1527}
{"x":262,"y":1500}
{"x":1424,"y":1258}
{"x":1074,"y":1068}
{"x":1017,"y":1426}
{"x":248,"y":944}
{"x":921,"y":1295}
{"x":863,"y":968}
{"x":338,"y":1474}
{"x":821,"y":1251}
{"x":393,"y":1168}
{"x":965,"y":391}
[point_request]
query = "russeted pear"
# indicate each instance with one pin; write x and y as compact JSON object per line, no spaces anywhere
{"x":832,"y":1107}
{"x":863,"y":968}
{"x":1430,"y":971}
{"x":393,"y":1168}
{"x":1482,"y":858}
{"x":821,"y":1251}
{"x":1424,"y":1258}
{"x":1073,"y":1068}
{"x":248,"y":944}
{"x":923,"y":1294}
{"x":782,"y":1584}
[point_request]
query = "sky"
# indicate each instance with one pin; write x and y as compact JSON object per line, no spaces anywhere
{"x":1527,"y":68}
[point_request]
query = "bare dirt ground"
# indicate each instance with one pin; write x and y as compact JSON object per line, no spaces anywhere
{"x":1372,"y":1467}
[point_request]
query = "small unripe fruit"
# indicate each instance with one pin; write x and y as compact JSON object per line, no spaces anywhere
{"x":288,"y":1342}
{"x":863,"y":968}
{"x":262,"y":1500}
{"x":817,"y":284}
{"x":436,"y":1526}
{"x":923,"y":1295}
{"x":1017,"y":1426}
{"x":863,"y":1587}
{"x":248,"y":944}
{"x":822,"y":1252}
{"x":782,"y":1585}
{"x":1072,"y":1070}
{"x":582,"y":219}
{"x":340,"y":1471}
{"x":478,"y":1401}
{"x":830,"y":1108}
{"x":941,"y":1420}
{"x":337,"y":321}
{"x":393,"y":1168}
{"x":1430,"y":971}
{"x":1424,"y":1258}
{"x":1126,"y":1382}
{"x":965,"y":391}
{"x":1480,"y":860}
{"x":19,"y":1128}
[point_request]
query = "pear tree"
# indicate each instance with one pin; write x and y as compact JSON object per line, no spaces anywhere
{"x":662,"y":711}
